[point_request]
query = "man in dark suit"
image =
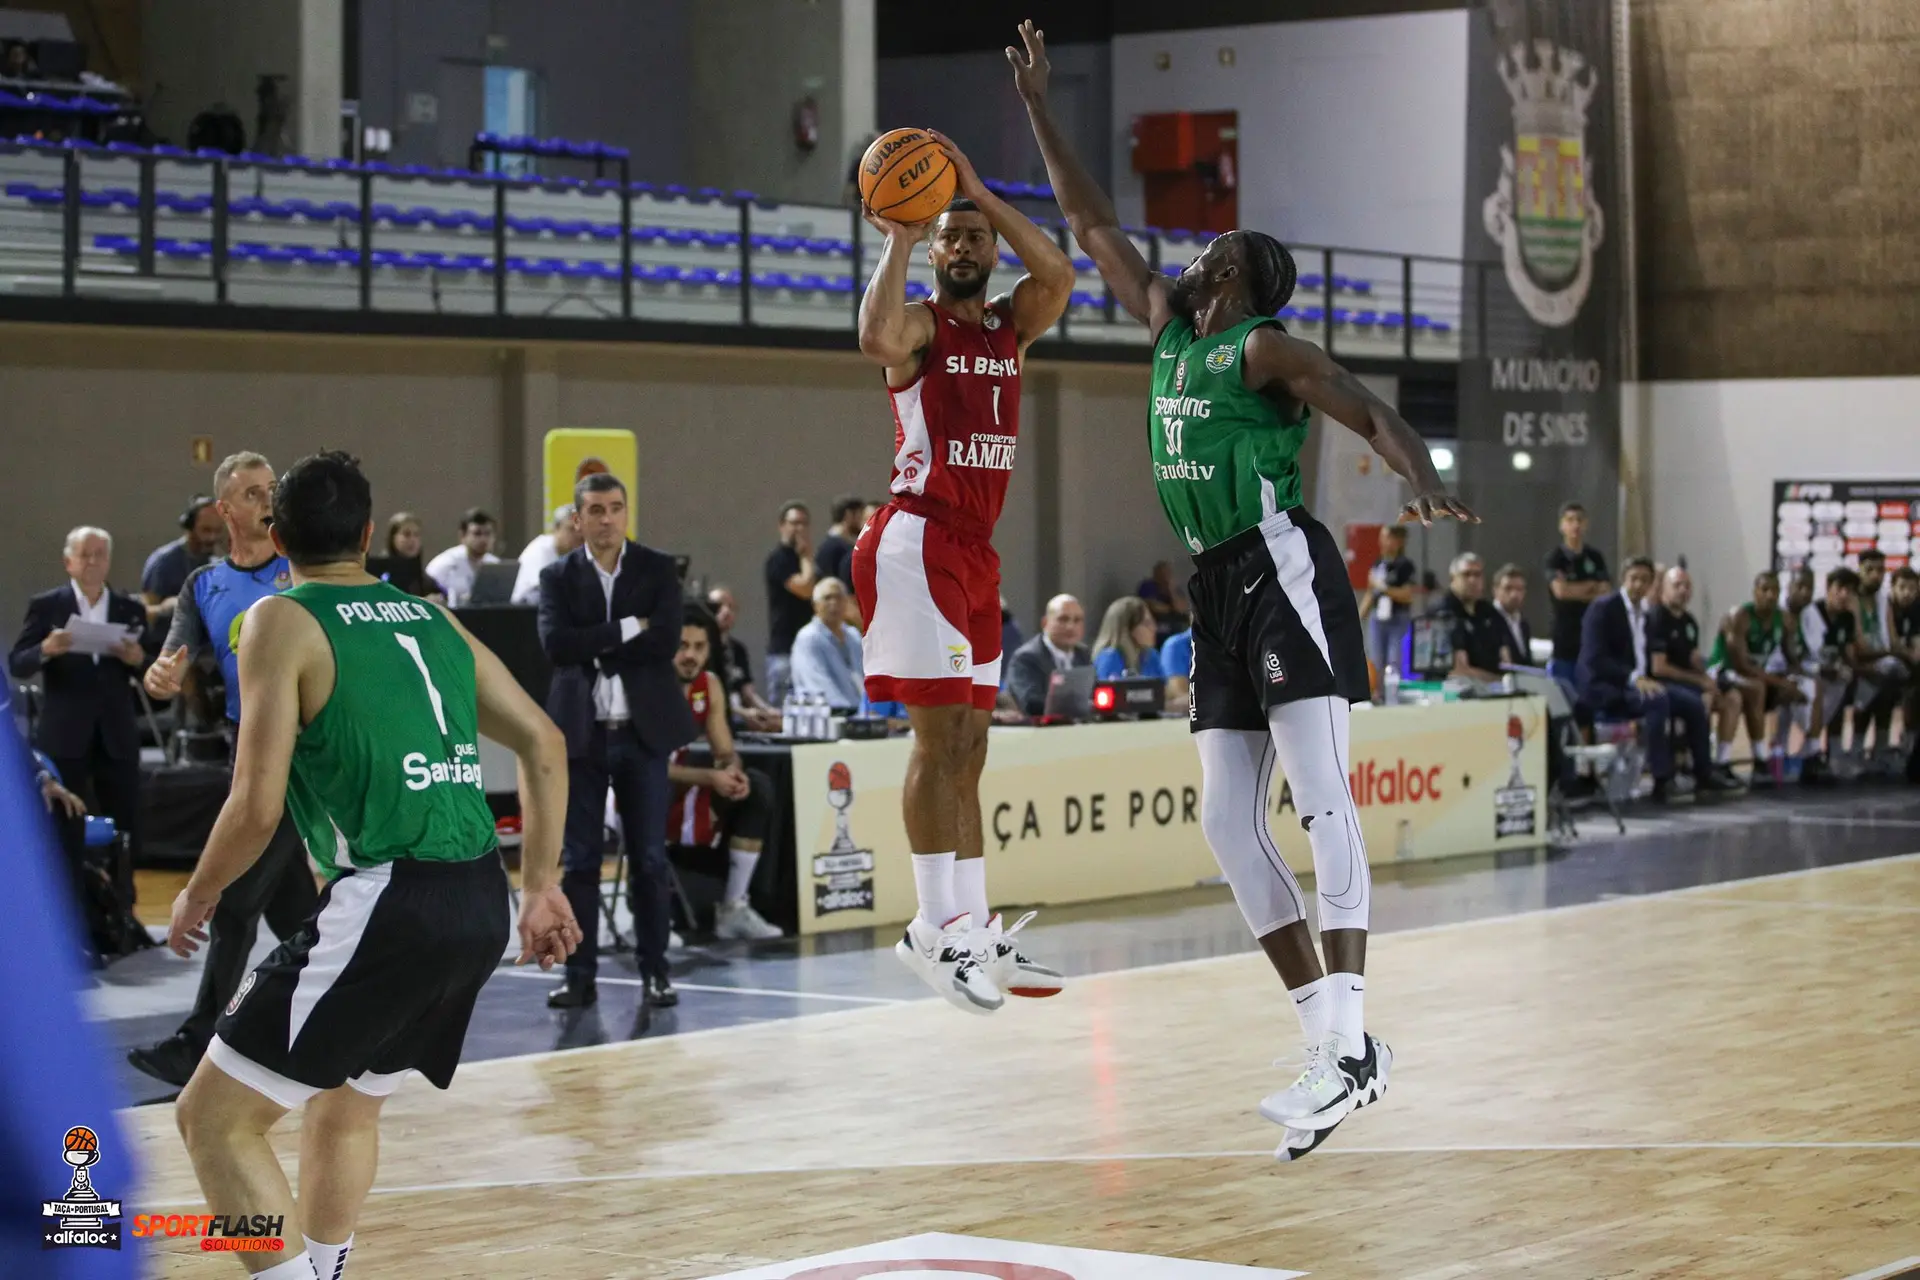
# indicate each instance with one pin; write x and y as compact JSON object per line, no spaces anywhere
{"x":610,"y":614}
{"x":87,"y":727}
{"x":1030,"y":668}
{"x":1614,"y":674}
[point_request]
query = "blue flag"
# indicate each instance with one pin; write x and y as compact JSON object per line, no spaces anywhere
{"x":66,"y":1166}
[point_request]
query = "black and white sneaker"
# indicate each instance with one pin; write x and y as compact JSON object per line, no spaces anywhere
{"x":1300,"y":1143}
{"x":1319,"y":1099}
{"x":953,"y":960}
{"x":1367,"y":1076}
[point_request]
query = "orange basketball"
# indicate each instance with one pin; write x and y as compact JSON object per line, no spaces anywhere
{"x":906,"y":176}
{"x":81,"y":1138}
{"x":839,"y":777}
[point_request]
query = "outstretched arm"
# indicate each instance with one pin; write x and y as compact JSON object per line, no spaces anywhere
{"x":1090,"y":213}
{"x":1276,"y":361}
{"x":1042,"y":294}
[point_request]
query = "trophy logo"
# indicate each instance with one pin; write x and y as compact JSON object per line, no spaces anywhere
{"x":843,"y":873}
{"x":1514,"y":804}
{"x":83,"y":1218}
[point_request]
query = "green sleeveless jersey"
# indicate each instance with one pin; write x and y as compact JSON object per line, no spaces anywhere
{"x":1763,"y":639}
{"x":390,"y":768}
{"x":1224,"y":458}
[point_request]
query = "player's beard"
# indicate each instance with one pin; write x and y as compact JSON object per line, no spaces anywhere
{"x":961,"y":290}
{"x":1185,"y":296}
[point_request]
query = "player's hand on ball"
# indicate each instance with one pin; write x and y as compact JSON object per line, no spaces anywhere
{"x":188,"y":928}
{"x":1428,"y":507}
{"x":1030,"y":70}
{"x":911,"y":232}
{"x":548,"y":931}
{"x":966,"y":180}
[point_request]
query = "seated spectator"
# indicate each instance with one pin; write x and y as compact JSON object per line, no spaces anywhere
{"x":833,"y":558}
{"x":1673,"y":651}
{"x":562,"y":536}
{"x":16,"y":62}
{"x":1903,"y":609}
{"x":403,"y":568}
{"x":1509,"y":601}
{"x":1392,"y":587}
{"x":1176,"y":661}
{"x":1010,"y":637}
{"x":1056,"y":648}
{"x":1164,"y":601}
{"x":454,"y":569}
{"x":167,"y":568}
{"x":1830,"y":631}
{"x":1125,"y":645}
{"x":1883,"y":676}
{"x":87,"y":727}
{"x":735,"y":666}
{"x":722,"y":804}
{"x":1752,"y":657}
{"x":1614,"y":682}
{"x":1477,"y":636}
{"x":827,"y":660}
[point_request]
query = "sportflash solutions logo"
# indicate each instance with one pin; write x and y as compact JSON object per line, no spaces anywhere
{"x":217,"y":1232}
{"x":843,"y":875}
{"x":82,"y":1218}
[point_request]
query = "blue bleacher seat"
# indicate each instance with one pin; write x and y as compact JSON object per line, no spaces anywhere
{"x":1081,"y":298}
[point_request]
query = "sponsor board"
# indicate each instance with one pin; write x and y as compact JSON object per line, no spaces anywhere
{"x":925,"y":1257}
{"x":1086,"y":812}
{"x":1823,"y":524}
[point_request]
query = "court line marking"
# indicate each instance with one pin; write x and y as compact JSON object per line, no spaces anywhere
{"x":863,"y":1166}
{"x":1871,"y":907}
{"x":1818,"y":820}
{"x":731,"y":991}
{"x":1891,"y":1269}
{"x":1445,"y":926}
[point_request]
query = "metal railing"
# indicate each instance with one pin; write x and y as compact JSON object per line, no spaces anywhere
{"x":1355,"y":302}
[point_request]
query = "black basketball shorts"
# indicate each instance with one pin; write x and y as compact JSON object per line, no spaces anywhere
{"x":1274,"y":621}
{"x":380,"y":980}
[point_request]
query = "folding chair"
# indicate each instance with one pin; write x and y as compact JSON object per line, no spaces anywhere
{"x":1610,"y":762}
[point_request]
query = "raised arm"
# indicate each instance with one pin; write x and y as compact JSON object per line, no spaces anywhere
{"x":1277,"y":362}
{"x":1040,"y":296}
{"x":893,"y":331}
{"x":1090,"y":214}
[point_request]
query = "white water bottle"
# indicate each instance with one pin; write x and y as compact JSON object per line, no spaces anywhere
{"x":1390,"y":686}
{"x":789,"y":716}
{"x":813,"y":717}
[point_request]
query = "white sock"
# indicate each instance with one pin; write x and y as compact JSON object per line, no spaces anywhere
{"x":740,"y":865}
{"x":1762,"y":752}
{"x":1723,"y":753}
{"x":295,"y":1268}
{"x":1349,"y":993}
{"x":933,"y":884}
{"x":970,"y":889}
{"x":1314,"y":1004}
{"x":329,"y":1260}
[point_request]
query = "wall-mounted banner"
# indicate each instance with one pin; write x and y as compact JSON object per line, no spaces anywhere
{"x":1540,"y":389}
{"x":1823,"y":524}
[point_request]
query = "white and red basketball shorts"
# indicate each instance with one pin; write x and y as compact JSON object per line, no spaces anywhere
{"x":931,"y":600}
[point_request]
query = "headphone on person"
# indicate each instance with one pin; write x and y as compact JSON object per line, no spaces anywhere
{"x":195,"y":505}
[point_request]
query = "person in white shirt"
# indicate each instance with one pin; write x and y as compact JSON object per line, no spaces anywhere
{"x":562,"y":536}
{"x":827,"y":657}
{"x":454,"y":569}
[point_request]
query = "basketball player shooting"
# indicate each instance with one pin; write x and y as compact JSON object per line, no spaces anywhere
{"x":925,"y":570}
{"x":1277,"y":649}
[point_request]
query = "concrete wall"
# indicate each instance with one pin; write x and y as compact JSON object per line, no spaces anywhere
{"x":1352,"y":131}
{"x":1715,"y":449}
{"x":610,"y":70}
{"x":1776,"y":150}
{"x":197,"y":52}
{"x":724,"y":439}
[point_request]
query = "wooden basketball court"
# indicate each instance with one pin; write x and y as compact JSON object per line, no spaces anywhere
{"x":1721,"y":1082}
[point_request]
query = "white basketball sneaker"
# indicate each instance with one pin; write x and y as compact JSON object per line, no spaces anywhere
{"x":1013,"y":972}
{"x":1319,"y":1099}
{"x":1367,"y":1075}
{"x":1301,"y":1143}
{"x":737,"y":921}
{"x":947,"y":959}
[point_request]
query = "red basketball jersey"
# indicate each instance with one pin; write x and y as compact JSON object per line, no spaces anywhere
{"x":690,"y":819}
{"x":956,"y":423}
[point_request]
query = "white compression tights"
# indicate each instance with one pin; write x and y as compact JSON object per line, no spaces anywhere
{"x":1309,"y":741}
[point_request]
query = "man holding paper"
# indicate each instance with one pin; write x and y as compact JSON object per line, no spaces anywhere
{"x":84,"y":641}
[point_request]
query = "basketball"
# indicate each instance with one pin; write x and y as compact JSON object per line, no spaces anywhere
{"x":906,"y":177}
{"x":839,"y":778}
{"x":80,"y":1138}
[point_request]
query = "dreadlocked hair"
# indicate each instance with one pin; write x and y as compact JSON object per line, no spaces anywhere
{"x":1271,"y":273}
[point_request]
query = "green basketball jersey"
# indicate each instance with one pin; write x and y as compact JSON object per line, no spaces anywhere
{"x":1224,"y":458}
{"x":1762,"y":639}
{"x":390,"y":768}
